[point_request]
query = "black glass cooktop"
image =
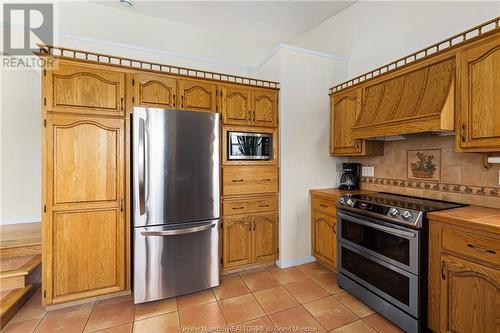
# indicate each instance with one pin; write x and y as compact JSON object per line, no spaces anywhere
{"x":406,"y":202}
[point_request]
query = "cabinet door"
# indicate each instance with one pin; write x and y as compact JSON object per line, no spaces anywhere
{"x":345,"y":109}
{"x":84,"y":225}
{"x":154,"y":90}
{"x":324,"y":238}
{"x":82,"y":89}
{"x":265,"y":108}
{"x":470,"y":297}
{"x":236,"y":106}
{"x":198,"y":95}
{"x":236,"y":241}
{"x":264,"y":237}
{"x":480,"y":96}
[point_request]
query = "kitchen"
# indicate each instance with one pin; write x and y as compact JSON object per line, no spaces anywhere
{"x":259,"y":173}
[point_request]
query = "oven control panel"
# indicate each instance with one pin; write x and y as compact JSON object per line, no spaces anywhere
{"x":399,"y":215}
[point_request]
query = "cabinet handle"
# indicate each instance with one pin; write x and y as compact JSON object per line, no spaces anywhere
{"x":182,"y":101}
{"x":250,"y":227}
{"x":443,"y":265}
{"x":266,"y":179}
{"x":323,"y":205}
{"x":472,"y":246}
{"x":237,"y":180}
{"x":253,"y":115}
{"x":263,"y":205}
{"x":121,"y":103}
{"x":333,"y":229}
{"x":254,"y":226}
{"x":236,"y":208}
{"x":462,"y":132}
{"x":121,"y":205}
{"x":174,"y":100}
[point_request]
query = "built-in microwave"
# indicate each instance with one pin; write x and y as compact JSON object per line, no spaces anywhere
{"x":249,"y":146}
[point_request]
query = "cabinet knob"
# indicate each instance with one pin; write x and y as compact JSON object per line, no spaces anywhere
{"x":462,"y":133}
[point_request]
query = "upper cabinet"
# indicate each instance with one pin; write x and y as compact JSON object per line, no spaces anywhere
{"x":198,"y":95}
{"x":265,"y":107}
{"x":154,"y":90}
{"x":249,"y":107}
{"x":236,"y":108}
{"x":479,"y":96}
{"x":85,"y":89}
{"x":344,"y":110}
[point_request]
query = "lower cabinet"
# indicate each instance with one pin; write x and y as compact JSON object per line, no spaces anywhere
{"x":470,"y":296}
{"x":324,"y":231}
{"x":464,"y":279}
{"x":248,"y":239}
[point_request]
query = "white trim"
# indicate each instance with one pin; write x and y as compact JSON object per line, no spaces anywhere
{"x":294,"y":262}
{"x":253,"y":68}
{"x":18,"y":220}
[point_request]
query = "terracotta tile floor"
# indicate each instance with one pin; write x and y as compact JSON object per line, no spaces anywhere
{"x":304,"y":298}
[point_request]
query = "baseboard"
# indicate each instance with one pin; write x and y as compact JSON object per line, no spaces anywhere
{"x":20,"y":220}
{"x":294,"y":262}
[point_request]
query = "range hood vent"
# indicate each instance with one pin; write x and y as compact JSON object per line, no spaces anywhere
{"x":417,"y":101}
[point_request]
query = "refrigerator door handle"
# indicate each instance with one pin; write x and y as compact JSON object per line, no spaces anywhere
{"x":178,"y":231}
{"x":142,"y":167}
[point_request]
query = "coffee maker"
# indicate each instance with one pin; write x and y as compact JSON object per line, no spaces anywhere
{"x":350,"y":176}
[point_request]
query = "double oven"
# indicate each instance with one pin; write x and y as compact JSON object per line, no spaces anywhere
{"x":382,"y":263}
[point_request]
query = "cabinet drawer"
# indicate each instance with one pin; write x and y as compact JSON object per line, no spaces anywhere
{"x":237,"y":180}
{"x":324,"y":205}
{"x":471,"y":244}
{"x":245,"y":206}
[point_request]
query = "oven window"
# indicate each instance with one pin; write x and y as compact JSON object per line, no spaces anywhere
{"x":388,"y":245}
{"x":383,"y":278}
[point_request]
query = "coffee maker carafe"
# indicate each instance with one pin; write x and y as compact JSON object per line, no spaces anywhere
{"x":350,"y":176}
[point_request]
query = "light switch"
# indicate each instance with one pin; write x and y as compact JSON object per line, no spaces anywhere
{"x":367,"y":171}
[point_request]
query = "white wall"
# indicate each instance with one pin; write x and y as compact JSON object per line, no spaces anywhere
{"x":305,"y":162}
{"x":374,"y":33}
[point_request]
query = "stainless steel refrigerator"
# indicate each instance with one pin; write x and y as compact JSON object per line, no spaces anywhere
{"x":175,"y":182}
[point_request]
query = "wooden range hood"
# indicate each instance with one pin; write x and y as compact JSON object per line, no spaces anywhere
{"x":419,"y":100}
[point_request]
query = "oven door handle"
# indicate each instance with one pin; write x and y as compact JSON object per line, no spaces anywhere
{"x":392,"y":231}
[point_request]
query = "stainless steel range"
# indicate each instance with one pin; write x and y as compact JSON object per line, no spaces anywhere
{"x":382,"y":253}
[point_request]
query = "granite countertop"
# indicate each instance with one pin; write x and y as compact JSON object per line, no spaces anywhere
{"x":480,"y":218}
{"x":334,"y":193}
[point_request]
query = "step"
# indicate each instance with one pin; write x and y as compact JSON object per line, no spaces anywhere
{"x":20,"y":240}
{"x":18,"y":272}
{"x":11,"y":301}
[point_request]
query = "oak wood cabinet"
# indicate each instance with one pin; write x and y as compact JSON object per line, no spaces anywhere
{"x":154,"y":90}
{"x":265,"y":108}
{"x":345,"y":108}
{"x":84,"y":220}
{"x":479,"y":96}
{"x":236,"y":105}
{"x":82,"y":89}
{"x":324,"y":231}
{"x":197,"y":95}
{"x":249,"y":107}
{"x":470,"y":296}
{"x":464,"y":279}
{"x":249,"y":239}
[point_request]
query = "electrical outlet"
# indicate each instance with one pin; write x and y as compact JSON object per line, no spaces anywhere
{"x":367,"y":171}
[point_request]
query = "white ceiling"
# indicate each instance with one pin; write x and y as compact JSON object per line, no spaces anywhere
{"x":274,"y":21}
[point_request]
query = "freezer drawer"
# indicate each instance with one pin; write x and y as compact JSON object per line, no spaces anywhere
{"x":175,"y":259}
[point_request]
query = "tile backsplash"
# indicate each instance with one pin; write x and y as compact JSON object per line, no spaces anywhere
{"x":458,"y":177}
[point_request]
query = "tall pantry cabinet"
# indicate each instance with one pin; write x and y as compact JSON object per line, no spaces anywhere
{"x":84,"y":228}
